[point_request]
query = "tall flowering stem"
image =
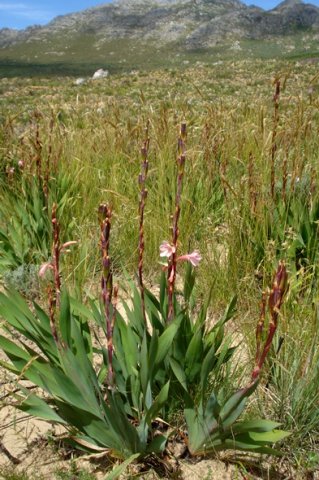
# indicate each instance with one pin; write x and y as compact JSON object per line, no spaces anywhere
{"x":54,"y":293}
{"x":143,"y":196}
{"x":260,"y":325}
{"x":54,"y":289}
{"x":56,"y":250}
{"x":275,"y":301}
{"x":171,"y":274}
{"x":105,"y":214}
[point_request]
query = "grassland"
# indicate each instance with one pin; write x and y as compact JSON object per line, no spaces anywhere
{"x":83,"y":54}
{"x":250,"y":198}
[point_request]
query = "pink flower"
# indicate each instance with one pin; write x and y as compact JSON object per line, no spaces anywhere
{"x":194,"y":258}
{"x":166,"y":249}
{"x":44,"y":267}
{"x":68,"y":244}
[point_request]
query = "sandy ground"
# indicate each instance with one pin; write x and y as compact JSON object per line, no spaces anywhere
{"x":27,"y":445}
{"x":31,"y":446}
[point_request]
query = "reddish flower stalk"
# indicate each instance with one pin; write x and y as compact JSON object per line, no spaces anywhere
{"x":274,"y":137}
{"x":260,"y":325}
{"x":105,"y":214}
{"x":52,"y":310}
{"x":143,"y":196}
{"x":56,"y":250}
{"x":54,"y":293}
{"x":275,"y":300}
{"x":171,"y":274}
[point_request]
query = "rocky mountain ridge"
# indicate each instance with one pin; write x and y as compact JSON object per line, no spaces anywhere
{"x":193,"y":23}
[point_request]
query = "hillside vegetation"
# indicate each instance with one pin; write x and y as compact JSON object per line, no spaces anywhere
{"x":127,"y":35}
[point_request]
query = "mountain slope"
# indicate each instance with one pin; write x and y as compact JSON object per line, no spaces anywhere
{"x":152,"y":25}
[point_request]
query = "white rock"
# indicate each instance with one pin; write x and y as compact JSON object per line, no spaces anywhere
{"x":100,"y":74}
{"x":79,"y":81}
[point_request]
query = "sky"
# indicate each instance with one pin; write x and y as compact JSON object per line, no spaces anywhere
{"x":22,"y":13}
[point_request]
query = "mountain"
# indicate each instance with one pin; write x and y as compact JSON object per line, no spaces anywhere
{"x":152,"y":25}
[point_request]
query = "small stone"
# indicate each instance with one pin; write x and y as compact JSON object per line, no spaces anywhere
{"x":100,"y":74}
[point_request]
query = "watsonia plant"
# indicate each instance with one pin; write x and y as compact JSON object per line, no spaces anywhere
{"x":60,"y":362}
{"x":114,"y":382}
{"x":213,"y":426}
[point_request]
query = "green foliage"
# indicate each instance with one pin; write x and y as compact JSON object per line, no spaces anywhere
{"x":292,"y":378}
{"x":25,"y":234}
{"x":10,"y":474}
{"x":153,"y":368}
{"x":120,"y":469}
{"x":25,"y":223}
{"x":65,"y":371}
{"x":303,"y":219}
{"x":283,"y":228}
{"x":213,"y":427}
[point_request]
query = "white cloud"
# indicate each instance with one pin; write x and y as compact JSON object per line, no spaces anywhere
{"x":23,"y":10}
{"x":9,"y":7}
